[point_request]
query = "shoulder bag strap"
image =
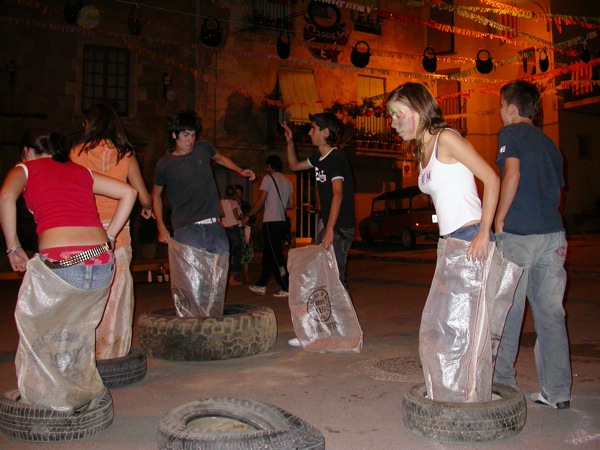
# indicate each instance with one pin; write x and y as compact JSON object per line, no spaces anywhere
{"x":278,"y":194}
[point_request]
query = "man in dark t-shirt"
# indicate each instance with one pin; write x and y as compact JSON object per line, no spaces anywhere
{"x":186,"y":173}
{"x":530,"y":233}
{"x":335,"y":185}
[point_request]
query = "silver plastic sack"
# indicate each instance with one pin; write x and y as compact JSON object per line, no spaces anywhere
{"x":198,"y":280}
{"x":462,"y":322}
{"x":55,"y":361}
{"x":322,"y":313}
{"x":113,"y":335}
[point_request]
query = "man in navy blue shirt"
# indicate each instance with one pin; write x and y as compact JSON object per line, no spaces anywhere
{"x":530,"y":233}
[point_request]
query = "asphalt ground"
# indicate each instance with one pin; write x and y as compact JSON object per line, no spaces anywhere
{"x":355,"y":400}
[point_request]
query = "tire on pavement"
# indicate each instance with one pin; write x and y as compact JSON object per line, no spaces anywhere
{"x":243,"y":330}
{"x":500,"y":418}
{"x":365,"y":235}
{"x":228,"y":423}
{"x":128,"y":369}
{"x":407,"y":237}
{"x":39,"y":424}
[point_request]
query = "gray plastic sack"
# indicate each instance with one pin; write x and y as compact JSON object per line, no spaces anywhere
{"x":55,"y":362}
{"x":198,"y":280}
{"x":463,"y":320}
{"x":323,"y":316}
{"x":113,"y":335}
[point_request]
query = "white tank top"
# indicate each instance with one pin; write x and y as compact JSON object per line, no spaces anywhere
{"x":453,"y":190}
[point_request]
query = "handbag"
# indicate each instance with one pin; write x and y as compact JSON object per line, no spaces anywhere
{"x":287,"y":237}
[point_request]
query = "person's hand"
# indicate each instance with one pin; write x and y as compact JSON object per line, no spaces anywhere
{"x":327,"y":239}
{"x":248,"y":174}
{"x":147,"y":213}
{"x":164,"y":236}
{"x":478,"y":248}
{"x":289,"y":136}
{"x":18,"y":260}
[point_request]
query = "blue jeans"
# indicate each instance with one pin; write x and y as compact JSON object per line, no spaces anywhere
{"x":88,"y":278}
{"x":342,"y":240}
{"x":467,"y":233}
{"x":542,"y":256}
{"x":210,"y":237}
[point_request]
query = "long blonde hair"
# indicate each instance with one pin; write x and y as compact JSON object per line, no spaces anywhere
{"x":421,"y":101}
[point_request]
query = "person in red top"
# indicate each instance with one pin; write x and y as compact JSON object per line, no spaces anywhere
{"x":65,"y":287}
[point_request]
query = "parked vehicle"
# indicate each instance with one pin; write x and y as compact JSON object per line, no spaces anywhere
{"x":401,"y":215}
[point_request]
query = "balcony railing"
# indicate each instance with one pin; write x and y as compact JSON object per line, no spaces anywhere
{"x":363,"y":134}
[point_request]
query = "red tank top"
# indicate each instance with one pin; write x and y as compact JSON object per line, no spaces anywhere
{"x":60,"y":195}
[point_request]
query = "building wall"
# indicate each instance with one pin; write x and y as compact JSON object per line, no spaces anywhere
{"x":227,"y":85}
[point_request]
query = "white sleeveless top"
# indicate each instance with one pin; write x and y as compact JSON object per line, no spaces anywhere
{"x":453,"y":190}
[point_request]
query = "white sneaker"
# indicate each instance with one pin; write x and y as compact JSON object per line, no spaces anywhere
{"x":281,"y":293}
{"x":260,"y":290}
{"x":295,"y":342}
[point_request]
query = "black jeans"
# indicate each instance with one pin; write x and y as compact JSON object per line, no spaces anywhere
{"x":235,"y":249}
{"x":273,"y":261}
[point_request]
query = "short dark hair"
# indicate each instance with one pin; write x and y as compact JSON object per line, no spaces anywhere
{"x":330,"y":122}
{"x":524,"y":95}
{"x":275,"y":162}
{"x":184,"y":121}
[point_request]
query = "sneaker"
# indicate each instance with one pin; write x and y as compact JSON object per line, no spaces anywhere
{"x":295,"y":342}
{"x":281,"y":293}
{"x":260,"y":290}
{"x":539,"y":398}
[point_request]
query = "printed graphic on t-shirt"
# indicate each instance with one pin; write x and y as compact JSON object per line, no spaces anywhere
{"x":320,"y":175}
{"x":425,"y":177}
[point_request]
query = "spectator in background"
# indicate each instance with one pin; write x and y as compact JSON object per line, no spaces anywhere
{"x":231,"y":221}
{"x":246,"y":231}
{"x":275,"y":197}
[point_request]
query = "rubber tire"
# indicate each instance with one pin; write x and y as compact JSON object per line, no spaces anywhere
{"x":365,"y":236}
{"x":407,"y":237}
{"x":118,"y":372}
{"x":464,"y":422}
{"x":38,"y":424}
{"x":243,"y":330}
{"x":275,"y":428}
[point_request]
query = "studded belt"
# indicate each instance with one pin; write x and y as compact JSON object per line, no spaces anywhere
{"x":79,"y":257}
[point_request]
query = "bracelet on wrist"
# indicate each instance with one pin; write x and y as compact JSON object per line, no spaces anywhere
{"x":12,"y":250}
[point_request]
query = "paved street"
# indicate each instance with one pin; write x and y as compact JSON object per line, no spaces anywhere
{"x":354,"y":400}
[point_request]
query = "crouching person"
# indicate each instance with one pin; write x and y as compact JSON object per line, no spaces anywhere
{"x":66,"y":285}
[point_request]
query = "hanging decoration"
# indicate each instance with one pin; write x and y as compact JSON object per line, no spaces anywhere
{"x":134,"y":21}
{"x":284,"y":48}
{"x":543,"y":60}
{"x":212,"y":35}
{"x":491,"y":87}
{"x":429,"y":60}
{"x":584,"y":53}
{"x":88,"y":17}
{"x":360,"y":58}
{"x":484,"y":65}
{"x":72,"y":11}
